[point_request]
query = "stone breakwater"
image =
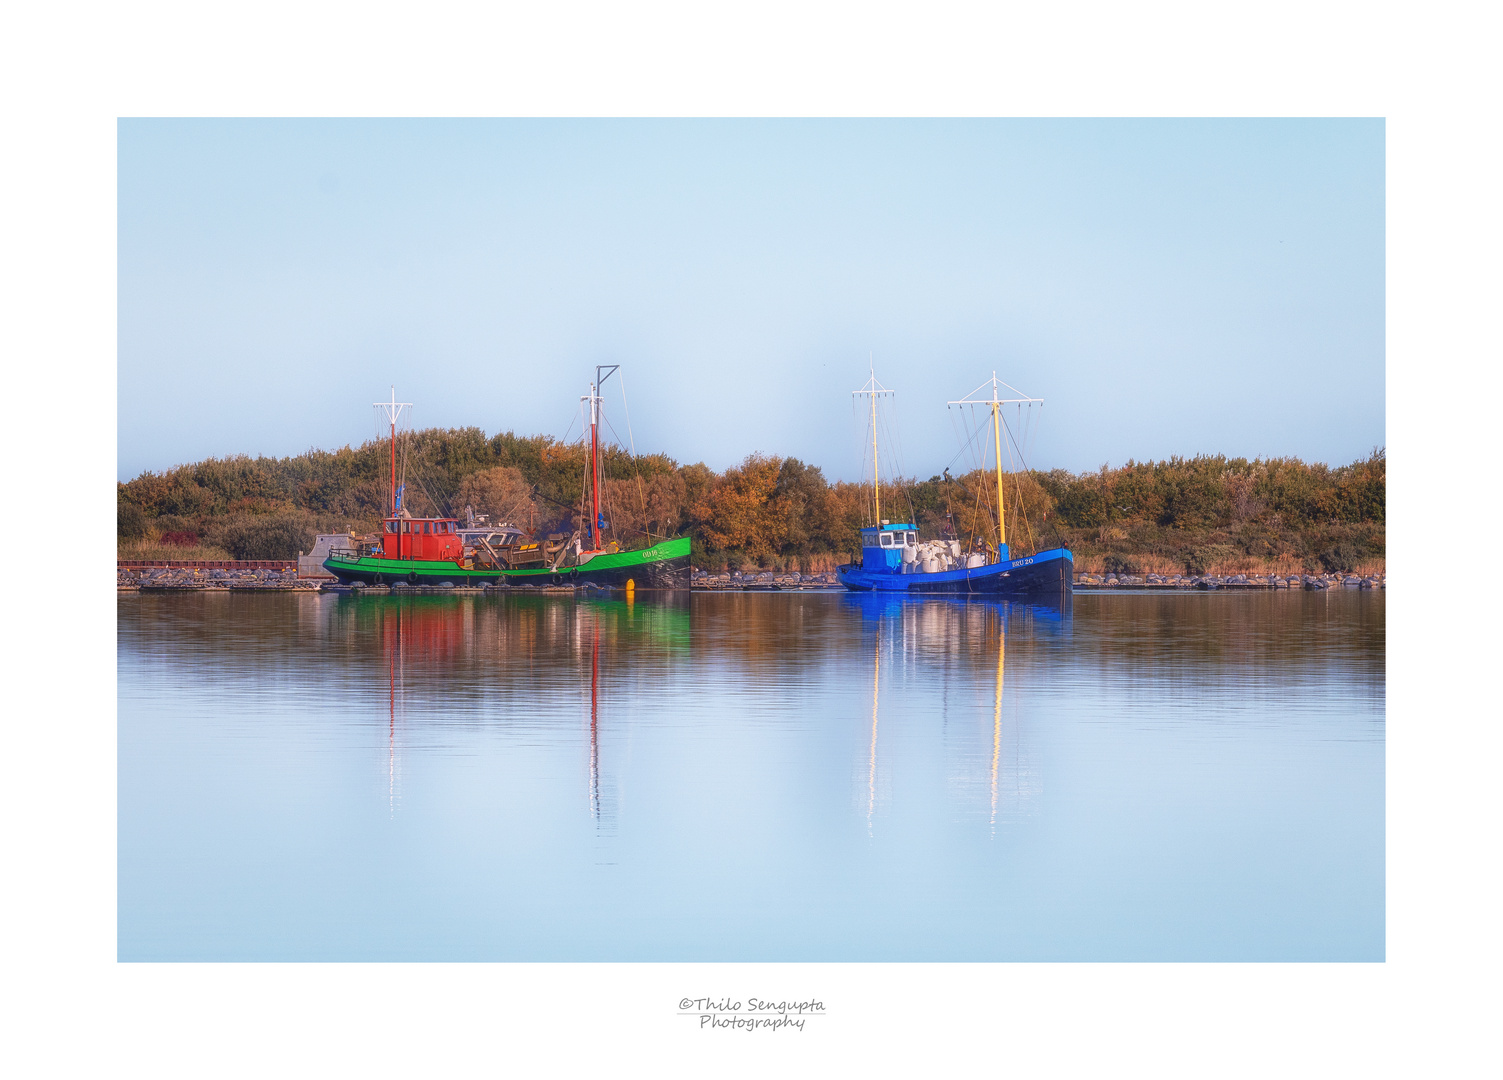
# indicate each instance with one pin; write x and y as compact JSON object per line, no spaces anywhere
{"x":169,"y":579}
{"x":766,"y":579}
{"x":1232,"y":581}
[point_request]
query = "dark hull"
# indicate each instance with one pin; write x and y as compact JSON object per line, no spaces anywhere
{"x":1046,"y":574}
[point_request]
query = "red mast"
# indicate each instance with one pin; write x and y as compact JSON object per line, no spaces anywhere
{"x":392,"y":501}
{"x":595,"y":404}
{"x":595,"y":467}
{"x":393,"y":409}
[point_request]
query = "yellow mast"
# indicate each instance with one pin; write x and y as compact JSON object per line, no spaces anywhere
{"x":997,"y":439}
{"x":996,"y":402}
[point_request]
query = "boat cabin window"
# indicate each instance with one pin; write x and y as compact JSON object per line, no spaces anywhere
{"x":886,"y":540}
{"x":391,"y":526}
{"x":899,"y":539}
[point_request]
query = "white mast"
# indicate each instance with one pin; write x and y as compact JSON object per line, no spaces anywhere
{"x":873,"y":389}
{"x":393,"y":410}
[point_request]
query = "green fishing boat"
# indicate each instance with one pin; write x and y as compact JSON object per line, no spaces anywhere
{"x":663,"y":566}
{"x":439,"y":551}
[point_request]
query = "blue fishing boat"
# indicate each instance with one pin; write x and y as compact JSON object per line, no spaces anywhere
{"x":895,"y":559}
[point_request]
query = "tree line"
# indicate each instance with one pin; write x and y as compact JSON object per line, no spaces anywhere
{"x":771,"y":511}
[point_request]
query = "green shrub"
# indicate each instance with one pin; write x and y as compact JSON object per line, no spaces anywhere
{"x":130,"y":522}
{"x":170,"y":523}
{"x":268,"y":538}
{"x":1203,"y":558}
{"x":1341,"y":558}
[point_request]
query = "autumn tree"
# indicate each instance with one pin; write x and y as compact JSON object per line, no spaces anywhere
{"x":651,"y":507}
{"x":734,"y":514}
{"x":502,"y":494}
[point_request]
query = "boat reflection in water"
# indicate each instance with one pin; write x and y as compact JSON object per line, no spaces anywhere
{"x":392,"y":640}
{"x":427,"y":632}
{"x":960,"y":644}
{"x":751,"y":777}
{"x":507,"y":662}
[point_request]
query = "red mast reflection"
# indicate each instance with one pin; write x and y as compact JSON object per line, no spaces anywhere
{"x":595,"y":721}
{"x":393,"y":640}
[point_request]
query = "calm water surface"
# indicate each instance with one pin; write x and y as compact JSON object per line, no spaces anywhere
{"x":765,"y":776}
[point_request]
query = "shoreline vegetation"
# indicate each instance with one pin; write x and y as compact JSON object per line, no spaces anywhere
{"x":1203,"y":515}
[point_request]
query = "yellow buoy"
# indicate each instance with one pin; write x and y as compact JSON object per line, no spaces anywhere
{"x":631,"y":587}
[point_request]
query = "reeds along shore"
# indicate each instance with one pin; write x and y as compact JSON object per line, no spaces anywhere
{"x":1207,"y":515}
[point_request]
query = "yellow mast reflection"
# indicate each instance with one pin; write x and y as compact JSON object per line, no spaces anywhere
{"x":997,"y":714}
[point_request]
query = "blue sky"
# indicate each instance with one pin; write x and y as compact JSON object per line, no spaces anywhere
{"x":1168,"y":287}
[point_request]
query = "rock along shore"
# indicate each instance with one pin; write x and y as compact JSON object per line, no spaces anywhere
{"x":1093,"y":582}
{"x":175,"y":578}
{"x":178,"y":578}
{"x":184,"y":578}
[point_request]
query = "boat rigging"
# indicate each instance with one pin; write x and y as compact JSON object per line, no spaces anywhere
{"x":894,"y":559}
{"x":439,"y":551}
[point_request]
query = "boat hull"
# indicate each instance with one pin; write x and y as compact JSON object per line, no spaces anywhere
{"x":1047,"y":573}
{"x":662,"y":567}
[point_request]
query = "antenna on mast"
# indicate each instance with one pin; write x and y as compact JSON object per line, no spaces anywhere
{"x":996,"y":402}
{"x":874,"y":390}
{"x":393,"y":410}
{"x":602,"y":372}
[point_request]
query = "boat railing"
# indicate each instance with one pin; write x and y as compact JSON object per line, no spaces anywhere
{"x":344,"y":555}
